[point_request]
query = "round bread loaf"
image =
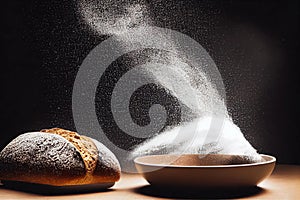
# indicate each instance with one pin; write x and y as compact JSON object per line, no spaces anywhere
{"x":58,"y":157}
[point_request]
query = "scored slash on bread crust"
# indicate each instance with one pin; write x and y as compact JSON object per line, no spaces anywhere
{"x":84,"y":145}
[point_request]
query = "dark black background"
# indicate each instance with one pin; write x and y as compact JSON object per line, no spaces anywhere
{"x":255,"y":45}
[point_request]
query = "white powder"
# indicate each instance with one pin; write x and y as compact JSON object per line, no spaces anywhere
{"x":114,"y":18}
{"x":193,"y":140}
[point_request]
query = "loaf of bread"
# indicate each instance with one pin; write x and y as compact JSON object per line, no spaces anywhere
{"x":58,"y":157}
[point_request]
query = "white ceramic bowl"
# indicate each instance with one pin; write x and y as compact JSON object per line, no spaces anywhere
{"x":194,"y":170}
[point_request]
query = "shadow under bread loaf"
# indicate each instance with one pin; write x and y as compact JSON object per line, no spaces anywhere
{"x":58,"y":157}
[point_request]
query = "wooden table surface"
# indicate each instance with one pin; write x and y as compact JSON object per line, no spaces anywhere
{"x":284,"y":183}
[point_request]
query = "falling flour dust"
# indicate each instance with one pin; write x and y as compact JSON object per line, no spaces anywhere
{"x":178,"y":77}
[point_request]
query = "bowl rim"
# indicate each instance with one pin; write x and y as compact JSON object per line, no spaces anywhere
{"x":136,"y":161}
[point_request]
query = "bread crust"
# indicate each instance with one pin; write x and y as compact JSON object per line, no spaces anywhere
{"x":84,"y":145}
{"x":47,"y":158}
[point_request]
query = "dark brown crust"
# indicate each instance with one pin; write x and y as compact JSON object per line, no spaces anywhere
{"x":50,"y":159}
{"x":41,"y":158}
{"x":108,"y":167}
